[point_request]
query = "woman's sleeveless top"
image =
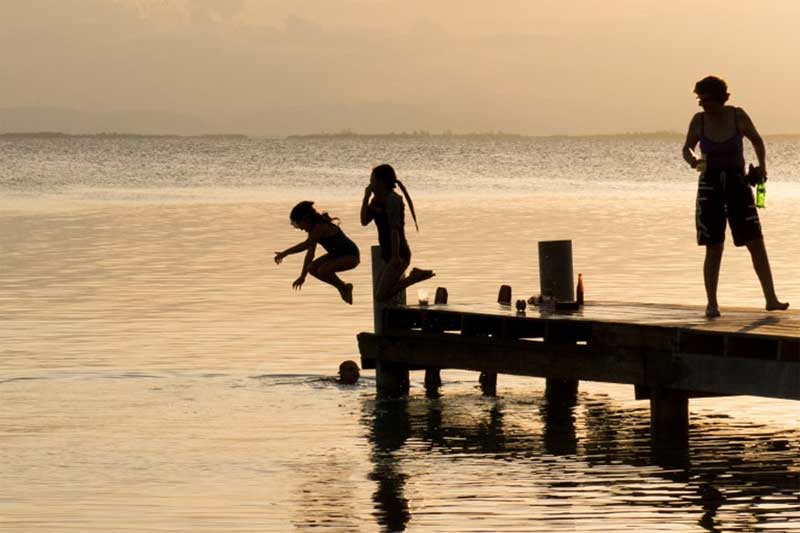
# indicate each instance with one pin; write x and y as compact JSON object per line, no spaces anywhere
{"x":726,"y":155}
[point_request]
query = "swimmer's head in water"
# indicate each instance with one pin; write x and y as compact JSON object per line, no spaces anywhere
{"x":348,"y":372}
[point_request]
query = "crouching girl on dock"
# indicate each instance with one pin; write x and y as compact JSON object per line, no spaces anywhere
{"x":386,"y":209}
{"x":342,"y":253}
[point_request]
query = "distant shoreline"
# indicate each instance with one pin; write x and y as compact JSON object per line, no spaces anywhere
{"x":355,"y":135}
{"x":475,"y":135}
{"x":106,"y":135}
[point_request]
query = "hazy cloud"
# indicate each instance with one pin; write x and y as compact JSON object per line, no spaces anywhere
{"x":273,"y":66}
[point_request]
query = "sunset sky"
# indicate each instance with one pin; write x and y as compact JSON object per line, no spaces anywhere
{"x":524,"y":66}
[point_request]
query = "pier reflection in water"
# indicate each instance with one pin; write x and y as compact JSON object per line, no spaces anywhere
{"x":521,"y":464}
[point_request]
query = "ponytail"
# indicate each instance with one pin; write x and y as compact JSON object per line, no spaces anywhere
{"x":325,"y":217}
{"x":386,"y":174}
{"x":410,"y":203}
{"x":306,"y":210}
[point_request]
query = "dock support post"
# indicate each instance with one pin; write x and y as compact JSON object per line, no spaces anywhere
{"x":556,"y":280}
{"x":555,"y":270}
{"x":562,"y":392}
{"x":433,"y":376}
{"x":669,"y":418}
{"x":391,"y":379}
{"x":488,"y":381}
{"x":433,"y":380}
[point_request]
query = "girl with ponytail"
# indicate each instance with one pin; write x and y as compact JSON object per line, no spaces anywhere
{"x":342,"y":252}
{"x":384,"y":206}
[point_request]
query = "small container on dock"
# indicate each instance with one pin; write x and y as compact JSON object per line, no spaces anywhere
{"x":422,"y":296}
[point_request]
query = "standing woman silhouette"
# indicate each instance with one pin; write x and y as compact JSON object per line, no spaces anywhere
{"x":723,"y":191}
{"x":386,"y":209}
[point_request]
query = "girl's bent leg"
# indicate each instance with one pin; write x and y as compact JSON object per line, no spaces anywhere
{"x":389,"y":282}
{"x":326,"y":271}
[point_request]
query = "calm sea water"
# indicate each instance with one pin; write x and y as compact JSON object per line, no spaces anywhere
{"x":157,"y":372}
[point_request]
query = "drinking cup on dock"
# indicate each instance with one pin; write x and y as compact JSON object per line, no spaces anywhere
{"x":422,"y":296}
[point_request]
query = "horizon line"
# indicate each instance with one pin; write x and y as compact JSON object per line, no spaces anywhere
{"x":349,"y":133}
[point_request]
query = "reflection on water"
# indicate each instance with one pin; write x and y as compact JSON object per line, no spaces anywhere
{"x":390,"y":427}
{"x":157,"y":371}
{"x":577,"y":467}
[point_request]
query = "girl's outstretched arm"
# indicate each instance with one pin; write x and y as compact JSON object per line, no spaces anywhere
{"x":298,"y":283}
{"x":311,"y":246}
{"x":293,"y":250}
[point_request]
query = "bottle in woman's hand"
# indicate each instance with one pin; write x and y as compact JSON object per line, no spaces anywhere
{"x":700,"y":166}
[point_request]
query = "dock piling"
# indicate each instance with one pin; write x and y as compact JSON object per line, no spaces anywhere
{"x":433,"y":375}
{"x":563,"y":392}
{"x":433,"y":380}
{"x":391,"y":378}
{"x":488,"y":382}
{"x":555,"y":270}
{"x":556,"y":279}
{"x":669,"y":418}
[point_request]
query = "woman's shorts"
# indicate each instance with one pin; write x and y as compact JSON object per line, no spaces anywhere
{"x":724,"y":196}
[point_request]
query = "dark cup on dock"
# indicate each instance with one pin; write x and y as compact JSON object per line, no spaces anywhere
{"x":504,"y":296}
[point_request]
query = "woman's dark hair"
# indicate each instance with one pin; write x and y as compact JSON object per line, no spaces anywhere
{"x":386,"y":175}
{"x":306,"y":209}
{"x":714,"y":87}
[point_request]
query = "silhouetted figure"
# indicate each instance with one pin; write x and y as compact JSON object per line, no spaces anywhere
{"x":723,"y":192}
{"x":342,"y":253}
{"x":349,"y":373}
{"x":388,"y":212}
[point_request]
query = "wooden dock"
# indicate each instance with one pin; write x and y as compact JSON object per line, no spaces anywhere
{"x":668,"y":352}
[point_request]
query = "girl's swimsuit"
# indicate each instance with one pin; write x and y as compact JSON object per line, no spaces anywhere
{"x":381,"y":215}
{"x":723,"y":193}
{"x":339,"y":245}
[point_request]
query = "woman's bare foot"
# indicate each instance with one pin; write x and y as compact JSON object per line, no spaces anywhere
{"x":417,"y":274}
{"x":777,"y":306}
{"x":712,"y":311}
{"x":347,"y":293}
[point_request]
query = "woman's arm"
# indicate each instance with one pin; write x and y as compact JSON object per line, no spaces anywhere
{"x":366,"y":216}
{"x":749,"y":131}
{"x":692,"y":138}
